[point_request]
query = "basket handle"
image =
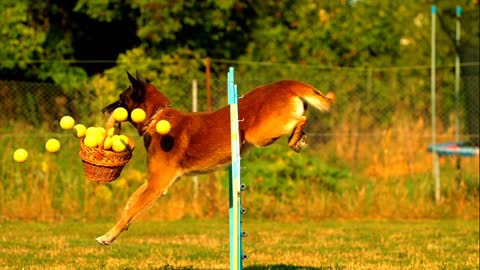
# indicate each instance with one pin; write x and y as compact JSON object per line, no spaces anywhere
{"x":110,"y":123}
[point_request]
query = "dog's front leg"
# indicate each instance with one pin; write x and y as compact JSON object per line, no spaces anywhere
{"x":140,"y":199}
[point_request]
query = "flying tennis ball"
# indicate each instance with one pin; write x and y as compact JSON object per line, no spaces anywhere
{"x":52,"y":145}
{"x":79,"y":130}
{"x":120,"y":114}
{"x":163,"y":127}
{"x":67,"y":122}
{"x":91,"y":140}
{"x":138,"y":115}
{"x":118,"y":145}
{"x":20,"y":155}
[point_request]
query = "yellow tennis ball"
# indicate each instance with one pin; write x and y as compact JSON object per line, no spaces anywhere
{"x":91,"y":131}
{"x":113,"y":131}
{"x":101,"y":131}
{"x":124,"y":138}
{"x":67,"y":122}
{"x":107,"y":144}
{"x":52,"y":145}
{"x":100,"y":138}
{"x":163,"y":127}
{"x":138,"y":115}
{"x":120,"y":114}
{"x":91,"y":140}
{"x":79,"y":130}
{"x":118,"y":145}
{"x":20,"y":155}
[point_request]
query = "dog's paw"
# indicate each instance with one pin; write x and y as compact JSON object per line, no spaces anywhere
{"x":302,"y":143}
{"x":102,"y":240}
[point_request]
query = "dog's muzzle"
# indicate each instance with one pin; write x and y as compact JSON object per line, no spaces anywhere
{"x":109,"y":109}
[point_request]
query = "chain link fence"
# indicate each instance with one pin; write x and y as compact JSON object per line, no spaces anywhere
{"x":370,"y":101}
{"x":38,"y":104}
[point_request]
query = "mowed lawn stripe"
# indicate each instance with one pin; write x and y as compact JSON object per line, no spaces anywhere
{"x":203,"y":244}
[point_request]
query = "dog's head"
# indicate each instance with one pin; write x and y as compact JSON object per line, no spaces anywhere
{"x":131,"y":98}
{"x":141,"y":95}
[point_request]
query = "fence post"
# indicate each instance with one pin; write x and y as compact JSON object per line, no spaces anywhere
{"x":458,"y":175}
{"x":195,"y":109}
{"x":435,"y":161}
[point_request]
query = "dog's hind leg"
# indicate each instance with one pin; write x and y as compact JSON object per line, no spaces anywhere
{"x":297,"y":139}
{"x":142,"y":198}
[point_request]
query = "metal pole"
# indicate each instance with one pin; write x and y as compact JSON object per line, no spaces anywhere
{"x":436,"y":168}
{"x":458,"y":175}
{"x":457,"y":76}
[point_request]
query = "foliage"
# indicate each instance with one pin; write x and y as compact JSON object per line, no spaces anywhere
{"x":164,"y":71}
{"x":168,"y":40}
{"x":306,"y":32}
{"x":278,"y":170}
{"x":103,"y":10}
{"x":346,"y":33}
{"x":72,"y":79}
{"x":21,"y":40}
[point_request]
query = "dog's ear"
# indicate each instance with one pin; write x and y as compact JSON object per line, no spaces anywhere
{"x":140,"y":78}
{"x":138,"y":86}
{"x":136,"y":83}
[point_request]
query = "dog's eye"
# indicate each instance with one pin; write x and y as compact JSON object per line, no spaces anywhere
{"x":136,"y":97}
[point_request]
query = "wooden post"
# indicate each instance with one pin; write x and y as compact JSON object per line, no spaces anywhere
{"x":208,"y":83}
{"x":195,"y":109}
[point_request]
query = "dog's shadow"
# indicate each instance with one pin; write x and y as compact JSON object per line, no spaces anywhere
{"x":290,"y":267}
{"x":269,"y":267}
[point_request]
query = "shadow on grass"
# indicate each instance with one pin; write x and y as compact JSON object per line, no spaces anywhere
{"x":290,"y":267}
{"x":267,"y":267}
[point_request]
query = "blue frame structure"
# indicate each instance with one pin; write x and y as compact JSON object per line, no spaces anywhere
{"x":457,"y":148}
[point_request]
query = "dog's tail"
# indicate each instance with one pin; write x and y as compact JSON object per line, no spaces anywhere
{"x":314,"y":97}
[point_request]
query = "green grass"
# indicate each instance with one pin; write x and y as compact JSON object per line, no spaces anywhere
{"x":203,"y":244}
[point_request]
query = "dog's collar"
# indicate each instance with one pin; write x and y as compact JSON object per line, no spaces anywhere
{"x":152,"y":119}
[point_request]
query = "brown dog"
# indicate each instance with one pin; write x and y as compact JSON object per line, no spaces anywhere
{"x":200,"y":142}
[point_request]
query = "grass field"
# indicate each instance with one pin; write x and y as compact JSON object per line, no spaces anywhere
{"x":203,"y":244}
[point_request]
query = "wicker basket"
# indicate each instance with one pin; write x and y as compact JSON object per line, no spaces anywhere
{"x":103,"y":165}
